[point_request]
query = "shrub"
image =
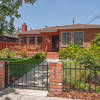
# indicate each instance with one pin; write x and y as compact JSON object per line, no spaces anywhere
{"x":96,"y":40}
{"x":5,"y":53}
{"x":62,"y":54}
{"x":89,"y":57}
{"x":39,"y":56}
{"x":24,"y":53}
{"x":71,"y":52}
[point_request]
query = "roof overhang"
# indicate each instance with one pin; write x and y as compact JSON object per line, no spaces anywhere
{"x":12,"y":36}
{"x":79,"y":28}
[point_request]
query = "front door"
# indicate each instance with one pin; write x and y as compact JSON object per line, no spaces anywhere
{"x":55,"y":43}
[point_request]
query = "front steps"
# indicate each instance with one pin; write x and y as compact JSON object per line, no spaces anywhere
{"x":52,"y":55}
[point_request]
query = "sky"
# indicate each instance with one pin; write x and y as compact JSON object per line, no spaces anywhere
{"x":58,"y":12}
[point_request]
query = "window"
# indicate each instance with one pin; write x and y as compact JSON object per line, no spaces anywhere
{"x":23,"y":40}
{"x":31,"y":39}
{"x":66,"y":38}
{"x":39,"y":39}
{"x":78,"y":38}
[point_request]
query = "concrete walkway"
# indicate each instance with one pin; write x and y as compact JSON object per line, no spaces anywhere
{"x":19,"y":94}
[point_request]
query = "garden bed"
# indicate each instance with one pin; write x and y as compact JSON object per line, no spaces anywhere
{"x":80,"y":95}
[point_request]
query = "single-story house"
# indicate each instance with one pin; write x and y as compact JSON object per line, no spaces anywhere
{"x":7,"y":40}
{"x":59,"y":37}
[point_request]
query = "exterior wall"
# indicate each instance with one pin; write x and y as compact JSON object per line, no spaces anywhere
{"x":47,"y":38}
{"x":6,"y":45}
{"x":89,"y":34}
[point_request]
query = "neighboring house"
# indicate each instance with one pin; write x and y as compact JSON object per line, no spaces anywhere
{"x":59,"y":37}
{"x":7,"y":40}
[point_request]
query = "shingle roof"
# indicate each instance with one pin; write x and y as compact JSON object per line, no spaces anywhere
{"x":55,"y":28}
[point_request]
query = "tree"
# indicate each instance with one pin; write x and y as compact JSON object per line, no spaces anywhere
{"x":96,"y":40}
{"x":8,"y":12}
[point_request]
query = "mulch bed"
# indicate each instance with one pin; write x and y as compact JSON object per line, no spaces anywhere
{"x":80,"y":95}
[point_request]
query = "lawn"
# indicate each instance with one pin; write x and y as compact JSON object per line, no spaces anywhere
{"x":19,"y":67}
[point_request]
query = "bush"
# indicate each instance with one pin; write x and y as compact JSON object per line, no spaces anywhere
{"x":71,"y":52}
{"x":5,"y":53}
{"x":89,"y":57}
{"x":62,"y":54}
{"x":39,"y":56}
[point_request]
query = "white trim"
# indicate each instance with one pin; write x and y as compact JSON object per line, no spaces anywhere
{"x":61,"y":37}
{"x":83,"y":37}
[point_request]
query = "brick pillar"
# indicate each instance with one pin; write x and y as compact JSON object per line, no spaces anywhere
{"x":2,"y":75}
{"x":55,"y":79}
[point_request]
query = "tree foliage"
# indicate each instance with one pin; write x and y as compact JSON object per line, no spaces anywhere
{"x":96,"y":40}
{"x":8,"y":12}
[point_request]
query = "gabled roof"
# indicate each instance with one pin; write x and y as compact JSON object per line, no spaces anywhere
{"x":55,"y":28}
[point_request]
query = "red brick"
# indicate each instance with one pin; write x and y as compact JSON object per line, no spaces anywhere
{"x":2,"y":75}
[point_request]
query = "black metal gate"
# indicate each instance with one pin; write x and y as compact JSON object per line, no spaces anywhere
{"x":27,"y":76}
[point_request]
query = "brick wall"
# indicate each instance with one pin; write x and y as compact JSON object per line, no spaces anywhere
{"x":55,"y":79}
{"x":2,"y":75}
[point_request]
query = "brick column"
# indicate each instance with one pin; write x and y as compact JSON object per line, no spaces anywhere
{"x":55,"y":79}
{"x":2,"y":75}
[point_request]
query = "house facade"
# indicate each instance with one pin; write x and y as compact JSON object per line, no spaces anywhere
{"x":59,"y":37}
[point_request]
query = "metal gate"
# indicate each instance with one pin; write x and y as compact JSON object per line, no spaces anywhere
{"x":27,"y":76}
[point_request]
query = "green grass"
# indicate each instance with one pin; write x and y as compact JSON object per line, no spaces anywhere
{"x":19,"y":67}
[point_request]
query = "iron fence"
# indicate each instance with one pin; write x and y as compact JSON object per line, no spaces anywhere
{"x":27,"y":76}
{"x":78,"y":77}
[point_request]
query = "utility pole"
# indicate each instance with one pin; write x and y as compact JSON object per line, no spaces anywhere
{"x":73,"y":20}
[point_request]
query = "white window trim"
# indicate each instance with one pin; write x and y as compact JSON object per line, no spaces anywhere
{"x":83,"y":37}
{"x":61,"y":37}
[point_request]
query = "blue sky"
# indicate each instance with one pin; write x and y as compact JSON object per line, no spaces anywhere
{"x":58,"y":12}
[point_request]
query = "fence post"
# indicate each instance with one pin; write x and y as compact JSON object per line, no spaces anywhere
{"x":2,"y":75}
{"x":55,"y":78}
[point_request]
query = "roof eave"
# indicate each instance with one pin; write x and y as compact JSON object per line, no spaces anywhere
{"x":78,"y":28}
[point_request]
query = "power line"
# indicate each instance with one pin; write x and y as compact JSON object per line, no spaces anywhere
{"x":92,"y":12}
{"x":96,"y":17}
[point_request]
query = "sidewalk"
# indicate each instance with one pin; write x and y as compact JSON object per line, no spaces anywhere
{"x":14,"y":94}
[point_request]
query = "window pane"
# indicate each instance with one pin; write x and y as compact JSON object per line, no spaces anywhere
{"x":66,"y":38}
{"x":39,"y":39}
{"x":31,"y":39}
{"x":78,"y":38}
{"x":23,"y":40}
